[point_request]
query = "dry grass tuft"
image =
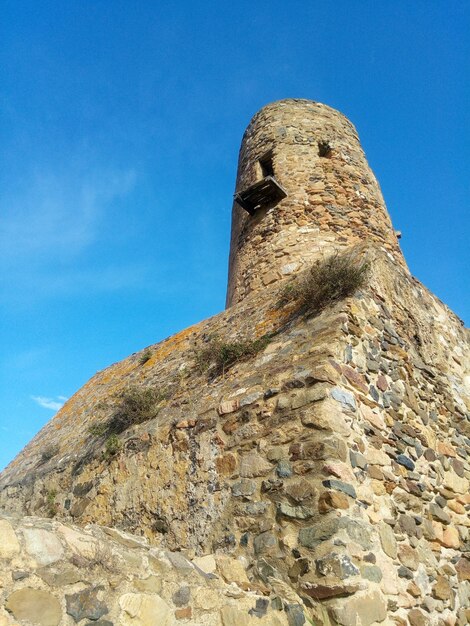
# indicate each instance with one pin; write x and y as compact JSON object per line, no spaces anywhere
{"x":326,"y":282}
{"x":219,"y":355}
{"x":137,"y":405}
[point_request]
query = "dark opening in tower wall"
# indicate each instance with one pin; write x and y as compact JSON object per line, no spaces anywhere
{"x":324,"y":149}
{"x":266,"y":165}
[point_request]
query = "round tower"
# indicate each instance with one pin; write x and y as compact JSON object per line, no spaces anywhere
{"x":303,"y":190}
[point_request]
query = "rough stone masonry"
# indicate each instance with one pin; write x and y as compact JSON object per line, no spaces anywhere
{"x":322,"y":478}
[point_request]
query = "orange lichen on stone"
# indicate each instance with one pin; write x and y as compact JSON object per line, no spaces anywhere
{"x":274,"y":318}
{"x":178,"y":342}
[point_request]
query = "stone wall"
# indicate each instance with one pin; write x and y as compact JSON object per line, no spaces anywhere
{"x":333,"y":463}
{"x":54,"y":574}
{"x":333,"y":201}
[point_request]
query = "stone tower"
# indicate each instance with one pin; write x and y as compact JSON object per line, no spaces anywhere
{"x":303,"y":189}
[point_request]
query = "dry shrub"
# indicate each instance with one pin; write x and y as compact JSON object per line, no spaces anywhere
{"x":49,"y":452}
{"x":327,"y":281}
{"x":219,"y":355}
{"x":137,"y":405}
{"x":145,"y":356}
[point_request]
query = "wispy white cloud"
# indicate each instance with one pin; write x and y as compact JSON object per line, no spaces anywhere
{"x":58,"y":215}
{"x":51,"y":230}
{"x":50,"y":403}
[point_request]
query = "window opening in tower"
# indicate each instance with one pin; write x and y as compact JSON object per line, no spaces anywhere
{"x":266,"y":165}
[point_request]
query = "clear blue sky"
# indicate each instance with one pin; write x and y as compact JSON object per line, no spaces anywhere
{"x":120,"y":128}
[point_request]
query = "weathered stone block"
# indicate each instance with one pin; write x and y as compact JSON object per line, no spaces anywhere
{"x":326,"y":415}
{"x":300,"y":490}
{"x":229,"y":406}
{"x":339,"y":565}
{"x":232,"y":571}
{"x":182,"y":596}
{"x":363,"y":608}
{"x":311,"y":536}
{"x":302,"y":397}
{"x":265,"y":543}
{"x":372,"y":573}
{"x":327,"y":448}
{"x":334,"y":590}
{"x":244,"y":488}
{"x":35,"y":605}
{"x":253,"y":465}
{"x":339,"y":485}
{"x":345,"y":398}
{"x":455,"y":483}
{"x":358,"y":531}
{"x":151,"y":584}
{"x":9,"y":545}
{"x":331,"y":500}
{"x":43,"y":545}
{"x":226,"y":464}
{"x":85,"y":604}
{"x":405,"y":461}
{"x":144,"y":610}
{"x":463,"y":569}
{"x":417,"y":618}
{"x":450,"y":537}
{"x":234,"y":616}
{"x":408,"y":556}
{"x":284,"y":469}
{"x":442,"y":589}
{"x":294,"y":512}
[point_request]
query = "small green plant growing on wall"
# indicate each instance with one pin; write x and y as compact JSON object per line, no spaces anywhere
{"x":98,"y":430}
{"x":219,"y":355}
{"x":326,"y":282}
{"x":49,"y":452}
{"x":112,"y":446}
{"x":145,"y":356}
{"x":51,"y":504}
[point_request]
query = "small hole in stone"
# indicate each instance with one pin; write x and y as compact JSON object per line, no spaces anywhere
{"x":324,"y":149}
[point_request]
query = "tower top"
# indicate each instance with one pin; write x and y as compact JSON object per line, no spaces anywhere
{"x":303,"y":190}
